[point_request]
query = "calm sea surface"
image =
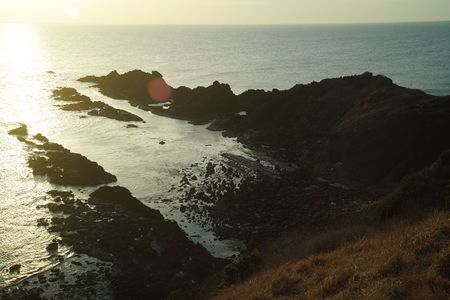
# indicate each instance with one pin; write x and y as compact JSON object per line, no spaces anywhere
{"x":413,"y":55}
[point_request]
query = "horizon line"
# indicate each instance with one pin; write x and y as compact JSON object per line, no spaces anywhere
{"x":228,"y":24}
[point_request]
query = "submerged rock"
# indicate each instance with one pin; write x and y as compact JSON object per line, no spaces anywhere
{"x":15,"y":268}
{"x":53,"y":246}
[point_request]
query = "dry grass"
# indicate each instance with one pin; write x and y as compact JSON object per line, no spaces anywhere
{"x":398,"y":248}
{"x":406,"y":262}
{"x":297,"y":245}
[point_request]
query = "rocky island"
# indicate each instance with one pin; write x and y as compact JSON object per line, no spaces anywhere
{"x":95,"y":108}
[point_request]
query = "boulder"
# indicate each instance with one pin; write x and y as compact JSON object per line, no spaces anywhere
{"x":22,"y":130}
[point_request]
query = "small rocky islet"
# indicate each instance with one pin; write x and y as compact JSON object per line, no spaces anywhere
{"x":81,"y":102}
{"x":60,"y":165}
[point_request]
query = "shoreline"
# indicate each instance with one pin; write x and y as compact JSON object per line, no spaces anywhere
{"x":97,"y":236}
{"x":295,"y":171}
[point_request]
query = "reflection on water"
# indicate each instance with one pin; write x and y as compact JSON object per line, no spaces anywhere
{"x":134,"y":156}
{"x":21,"y":68}
{"x":20,"y":48}
{"x":21,"y":241}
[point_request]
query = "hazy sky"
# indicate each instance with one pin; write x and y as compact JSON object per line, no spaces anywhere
{"x":222,"y":11}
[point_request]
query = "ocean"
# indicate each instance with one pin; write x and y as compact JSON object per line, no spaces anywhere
{"x":415,"y":55}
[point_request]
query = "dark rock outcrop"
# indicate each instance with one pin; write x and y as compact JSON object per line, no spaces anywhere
{"x":62,"y":166}
{"x":53,"y":246}
{"x":152,"y":256}
{"x":243,"y":199}
{"x":22,"y":130}
{"x":131,"y":86}
{"x":374,"y":130}
{"x":94,"y":108}
{"x":15,"y":268}
{"x":200,"y":105}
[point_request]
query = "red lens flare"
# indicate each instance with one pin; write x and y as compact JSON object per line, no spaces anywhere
{"x":159,"y":90}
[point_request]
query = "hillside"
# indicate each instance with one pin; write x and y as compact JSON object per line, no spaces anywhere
{"x":398,"y":248}
{"x":406,"y":262}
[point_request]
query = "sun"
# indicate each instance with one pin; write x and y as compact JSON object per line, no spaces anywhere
{"x":73,"y":13}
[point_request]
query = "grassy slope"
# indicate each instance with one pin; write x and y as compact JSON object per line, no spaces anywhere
{"x":399,"y":248}
{"x":409,"y":262}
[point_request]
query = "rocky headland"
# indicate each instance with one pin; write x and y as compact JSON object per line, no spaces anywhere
{"x":351,"y":139}
{"x":131,"y":86}
{"x":356,"y":128}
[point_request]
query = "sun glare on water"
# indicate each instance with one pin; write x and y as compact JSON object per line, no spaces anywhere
{"x":73,"y":13}
{"x":23,"y":61}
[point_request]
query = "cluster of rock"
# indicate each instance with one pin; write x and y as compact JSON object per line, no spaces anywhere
{"x":144,"y":248}
{"x":76,"y":277}
{"x":240,"y":199}
{"x":150,"y":256}
{"x":59,"y":164}
{"x":95,"y":108}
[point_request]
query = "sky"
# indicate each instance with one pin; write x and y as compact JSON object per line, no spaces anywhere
{"x":222,"y":11}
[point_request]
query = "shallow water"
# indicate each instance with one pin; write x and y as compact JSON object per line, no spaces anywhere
{"x":414,"y":55}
